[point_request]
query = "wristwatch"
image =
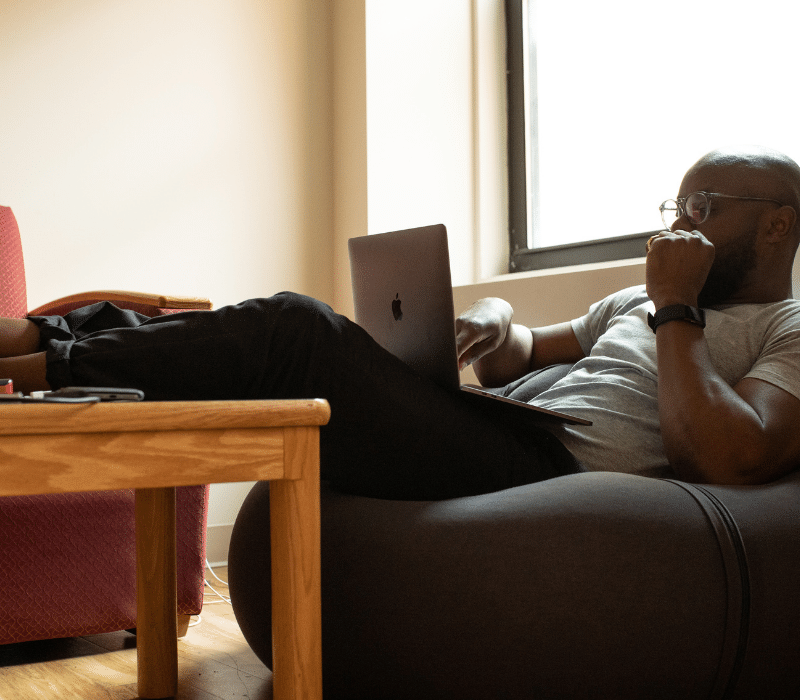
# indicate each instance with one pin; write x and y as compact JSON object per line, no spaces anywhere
{"x":677,"y":312}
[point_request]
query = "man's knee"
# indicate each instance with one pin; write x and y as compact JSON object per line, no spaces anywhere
{"x":300,"y":311}
{"x":303,"y":303}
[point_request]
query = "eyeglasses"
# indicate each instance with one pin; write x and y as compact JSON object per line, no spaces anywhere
{"x":697,"y":207}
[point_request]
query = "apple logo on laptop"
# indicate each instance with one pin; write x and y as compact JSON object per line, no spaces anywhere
{"x":397,"y":312}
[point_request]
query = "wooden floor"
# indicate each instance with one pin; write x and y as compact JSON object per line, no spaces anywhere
{"x":214,"y":662}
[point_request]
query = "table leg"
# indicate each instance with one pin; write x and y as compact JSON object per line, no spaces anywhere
{"x":296,"y":583}
{"x":156,"y":593}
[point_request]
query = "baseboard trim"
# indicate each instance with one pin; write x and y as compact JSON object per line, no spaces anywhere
{"x":218,"y":539}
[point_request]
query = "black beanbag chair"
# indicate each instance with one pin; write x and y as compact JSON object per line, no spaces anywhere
{"x":596,"y":585}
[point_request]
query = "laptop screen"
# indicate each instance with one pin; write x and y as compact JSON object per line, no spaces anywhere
{"x":403,"y":298}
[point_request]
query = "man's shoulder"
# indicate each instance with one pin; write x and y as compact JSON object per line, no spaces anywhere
{"x":602,"y":313}
{"x":781,"y":315}
{"x":636,"y":294}
{"x":624,"y":300}
{"x":637,"y":290}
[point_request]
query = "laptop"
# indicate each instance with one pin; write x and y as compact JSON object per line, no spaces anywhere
{"x":403,"y":298}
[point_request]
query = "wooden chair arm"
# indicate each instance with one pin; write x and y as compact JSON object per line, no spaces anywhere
{"x":158,"y":301}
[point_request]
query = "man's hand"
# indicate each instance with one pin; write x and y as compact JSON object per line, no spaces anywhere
{"x":502,"y":352}
{"x":678,"y":263}
{"x":481,"y":329}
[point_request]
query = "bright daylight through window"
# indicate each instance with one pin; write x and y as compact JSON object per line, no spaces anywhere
{"x":617,"y":99}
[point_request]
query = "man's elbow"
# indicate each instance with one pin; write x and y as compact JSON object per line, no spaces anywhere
{"x":748,"y":467}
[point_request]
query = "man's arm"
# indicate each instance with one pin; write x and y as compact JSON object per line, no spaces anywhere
{"x":18,"y":336}
{"x":28,"y":372}
{"x":501,"y":351}
{"x":712,"y":432}
{"x":20,"y":359}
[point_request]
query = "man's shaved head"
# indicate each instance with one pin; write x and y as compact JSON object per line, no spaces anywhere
{"x":755,"y":172}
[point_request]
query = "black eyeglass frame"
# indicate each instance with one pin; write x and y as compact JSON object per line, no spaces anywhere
{"x":680,"y":203}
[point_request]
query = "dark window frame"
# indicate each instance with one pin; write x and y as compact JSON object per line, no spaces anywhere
{"x":522,"y":257}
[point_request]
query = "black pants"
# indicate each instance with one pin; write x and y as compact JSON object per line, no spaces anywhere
{"x":392,"y":434}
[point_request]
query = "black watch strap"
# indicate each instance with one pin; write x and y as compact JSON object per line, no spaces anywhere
{"x":677,"y":312}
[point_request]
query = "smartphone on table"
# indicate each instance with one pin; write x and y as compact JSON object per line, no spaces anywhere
{"x":90,"y":393}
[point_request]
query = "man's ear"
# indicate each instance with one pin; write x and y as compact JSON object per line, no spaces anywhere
{"x":781,"y":223}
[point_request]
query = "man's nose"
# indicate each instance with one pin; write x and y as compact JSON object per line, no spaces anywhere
{"x":681,"y":224}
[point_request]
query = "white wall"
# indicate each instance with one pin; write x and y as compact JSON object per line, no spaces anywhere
{"x":173,"y":146}
{"x":349,"y":59}
{"x":420,"y":118}
{"x":168,"y":145}
{"x":434,"y":114}
{"x":430,"y":146}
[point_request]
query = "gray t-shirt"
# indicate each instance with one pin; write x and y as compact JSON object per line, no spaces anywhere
{"x":616,"y":384}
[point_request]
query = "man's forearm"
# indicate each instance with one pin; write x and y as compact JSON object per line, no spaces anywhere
{"x":509,"y":362}
{"x":710,"y":434}
{"x":20,"y":360}
{"x":18,"y":336}
{"x":28,"y":372}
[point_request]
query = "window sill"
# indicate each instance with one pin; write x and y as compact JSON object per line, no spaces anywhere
{"x":599,"y":251}
{"x":577,"y":269}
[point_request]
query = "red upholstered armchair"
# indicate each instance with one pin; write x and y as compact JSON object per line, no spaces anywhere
{"x":68,"y":561}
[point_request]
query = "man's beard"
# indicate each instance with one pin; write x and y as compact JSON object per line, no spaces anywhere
{"x":729,"y":272}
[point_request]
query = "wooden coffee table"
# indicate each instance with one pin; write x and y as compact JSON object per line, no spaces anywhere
{"x":155,"y":446}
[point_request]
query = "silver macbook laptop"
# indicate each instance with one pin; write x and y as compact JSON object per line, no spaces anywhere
{"x":403,"y":298}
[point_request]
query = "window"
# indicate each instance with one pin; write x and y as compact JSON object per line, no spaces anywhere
{"x":610,"y":103}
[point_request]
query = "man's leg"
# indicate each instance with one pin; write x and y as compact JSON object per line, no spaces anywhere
{"x":392,"y":433}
